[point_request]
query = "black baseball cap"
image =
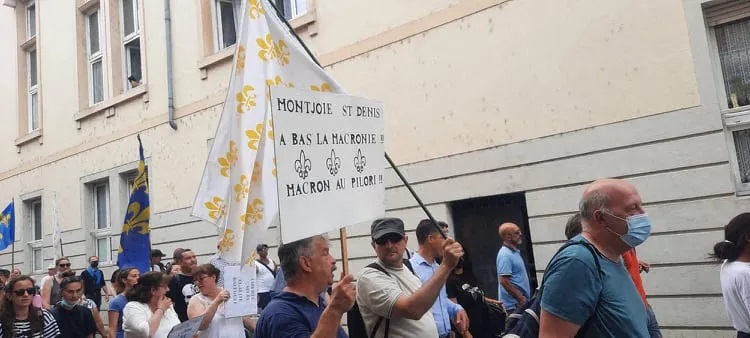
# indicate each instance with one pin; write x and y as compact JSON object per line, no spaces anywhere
{"x":157,"y":253}
{"x":384,"y":226}
{"x":261,"y":247}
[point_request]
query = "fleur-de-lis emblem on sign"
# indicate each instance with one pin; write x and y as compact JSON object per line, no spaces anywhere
{"x":360,"y":161}
{"x":333,"y":163}
{"x":302,"y":165}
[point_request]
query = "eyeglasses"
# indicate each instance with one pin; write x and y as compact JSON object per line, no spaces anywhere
{"x":393,"y":238}
{"x":21,"y":292}
{"x":64,"y":265}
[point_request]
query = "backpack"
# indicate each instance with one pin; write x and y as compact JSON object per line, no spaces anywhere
{"x":524,"y":322}
{"x":354,"y":321}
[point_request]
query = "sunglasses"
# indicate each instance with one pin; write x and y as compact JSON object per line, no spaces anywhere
{"x":21,"y":292}
{"x":393,"y":238}
{"x":64,"y":265}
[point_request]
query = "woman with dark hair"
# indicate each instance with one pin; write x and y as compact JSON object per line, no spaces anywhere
{"x":210,"y":302}
{"x":19,"y":318}
{"x":74,"y":321}
{"x":149,"y":312}
{"x":735,"y":272}
{"x":123,"y":281}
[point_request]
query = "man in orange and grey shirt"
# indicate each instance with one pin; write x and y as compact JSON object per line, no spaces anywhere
{"x":634,"y":267}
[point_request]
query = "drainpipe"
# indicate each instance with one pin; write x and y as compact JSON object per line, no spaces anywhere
{"x":170,"y":84}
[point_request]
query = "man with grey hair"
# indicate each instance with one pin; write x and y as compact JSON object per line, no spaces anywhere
{"x":392,"y":300}
{"x":587,"y":291}
{"x":299,"y":310}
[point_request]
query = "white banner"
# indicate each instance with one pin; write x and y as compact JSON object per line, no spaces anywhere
{"x":243,"y":297}
{"x":186,"y":329}
{"x":330,"y":161}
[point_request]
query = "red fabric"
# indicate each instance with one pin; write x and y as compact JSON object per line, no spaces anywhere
{"x":631,"y":263}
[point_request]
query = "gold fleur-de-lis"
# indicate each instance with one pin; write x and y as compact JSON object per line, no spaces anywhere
{"x":245,"y":99}
{"x":254,"y":136}
{"x":277,"y":81}
{"x":253,"y":213}
{"x":241,"y":189}
{"x":217,"y":208}
{"x":241,"y":54}
{"x":324,"y":87}
{"x":270,"y":129}
{"x":256,"y":172}
{"x":270,"y":50}
{"x":227,"y":240}
{"x":227,"y":162}
{"x":256,"y":10}
{"x":5,"y":219}
{"x":137,"y":219}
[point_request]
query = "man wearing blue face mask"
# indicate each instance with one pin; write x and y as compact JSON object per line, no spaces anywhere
{"x":587,"y":291}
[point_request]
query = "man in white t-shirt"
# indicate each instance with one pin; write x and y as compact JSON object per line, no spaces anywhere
{"x":266,"y":273}
{"x":389,"y":295}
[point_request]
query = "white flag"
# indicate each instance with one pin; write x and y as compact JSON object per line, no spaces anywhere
{"x":238,"y":190}
{"x":56,"y":235}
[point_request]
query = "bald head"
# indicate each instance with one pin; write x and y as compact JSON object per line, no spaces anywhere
{"x":510,"y":233}
{"x":603,"y":193}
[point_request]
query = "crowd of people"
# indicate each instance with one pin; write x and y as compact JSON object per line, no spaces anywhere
{"x":592,"y":286}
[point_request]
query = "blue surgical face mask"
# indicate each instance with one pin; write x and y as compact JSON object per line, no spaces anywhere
{"x":67,"y":305}
{"x":639,"y":228}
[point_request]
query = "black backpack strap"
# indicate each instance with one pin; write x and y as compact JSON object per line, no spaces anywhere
{"x":380,"y":268}
{"x":408,"y":265}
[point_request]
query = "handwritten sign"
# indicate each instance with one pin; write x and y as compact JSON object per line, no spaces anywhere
{"x":329,"y":161}
{"x":186,"y":329}
{"x":243,"y":297}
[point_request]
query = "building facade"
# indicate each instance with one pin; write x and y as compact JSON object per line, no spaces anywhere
{"x":496,"y":110}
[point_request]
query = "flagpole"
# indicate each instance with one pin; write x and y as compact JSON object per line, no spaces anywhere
{"x":388,"y":158}
{"x":344,"y":251}
{"x":13,"y":255}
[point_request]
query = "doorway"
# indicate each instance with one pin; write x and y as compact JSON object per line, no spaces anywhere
{"x":476,"y":221}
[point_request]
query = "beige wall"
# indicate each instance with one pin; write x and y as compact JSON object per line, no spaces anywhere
{"x":457,"y":82}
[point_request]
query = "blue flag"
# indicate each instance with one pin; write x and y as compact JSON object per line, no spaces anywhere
{"x":135,"y":238}
{"x":7,"y":226}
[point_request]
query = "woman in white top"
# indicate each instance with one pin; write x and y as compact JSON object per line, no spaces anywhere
{"x":735,"y":272}
{"x":210,"y":302}
{"x":149,"y":312}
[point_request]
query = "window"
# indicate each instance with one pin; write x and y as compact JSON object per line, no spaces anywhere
{"x":33,"y":220}
{"x":729,"y":24}
{"x":95,"y":57}
{"x":292,"y":8}
{"x":33,"y":91}
{"x":101,"y":206}
{"x":36,"y":219}
{"x":131,"y":41}
{"x":101,"y":215}
{"x":31,"y":20}
{"x":226,"y":19}
{"x":36,"y":259}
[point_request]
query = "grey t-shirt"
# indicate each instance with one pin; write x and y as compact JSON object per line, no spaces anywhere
{"x":378,"y":292}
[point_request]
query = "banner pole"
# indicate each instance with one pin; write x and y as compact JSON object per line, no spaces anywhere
{"x":13,"y":255}
{"x":344,"y":251}
{"x":388,"y":158}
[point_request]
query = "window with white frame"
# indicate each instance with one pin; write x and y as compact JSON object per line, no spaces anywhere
{"x":226,"y":22}
{"x":102,"y":228}
{"x":33,"y":90}
{"x":131,"y":42}
{"x":292,"y":8}
{"x":33,"y":212}
{"x":95,"y":56}
{"x":31,"y":20}
{"x":729,"y":28}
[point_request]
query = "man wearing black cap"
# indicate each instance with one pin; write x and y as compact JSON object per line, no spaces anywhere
{"x":156,"y":256}
{"x":390,"y":297}
{"x":266,"y":273}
